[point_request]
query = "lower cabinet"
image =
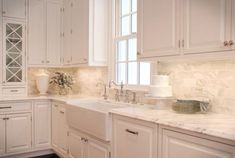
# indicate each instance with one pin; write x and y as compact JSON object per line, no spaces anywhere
{"x":178,"y":145}
{"x":18,"y":136}
{"x":133,"y":139}
{"x":42,"y":124}
{"x":2,"y":134}
{"x":82,"y":146}
{"x":59,"y":129}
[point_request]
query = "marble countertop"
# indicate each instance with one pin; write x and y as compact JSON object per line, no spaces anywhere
{"x":213,"y":124}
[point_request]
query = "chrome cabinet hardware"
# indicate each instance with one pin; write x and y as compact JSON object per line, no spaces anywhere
{"x":6,"y":107}
{"x":14,"y":90}
{"x":6,"y":118}
{"x":138,"y":53}
{"x":62,"y":112}
{"x":226,"y":43}
{"x":132,"y":132}
{"x":231,"y":43}
{"x":84,"y":139}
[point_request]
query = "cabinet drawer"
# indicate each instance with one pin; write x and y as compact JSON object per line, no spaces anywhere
{"x":13,"y":91}
{"x":15,"y":106}
{"x":133,"y":140}
{"x":175,"y":144}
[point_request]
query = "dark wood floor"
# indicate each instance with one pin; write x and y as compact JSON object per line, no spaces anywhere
{"x":48,"y":156}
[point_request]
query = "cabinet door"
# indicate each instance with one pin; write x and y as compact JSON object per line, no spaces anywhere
{"x":55,"y":125}
{"x":63,"y":131}
{"x":233,"y":24}
{"x":42,"y":124}
{"x":53,"y":32}
{"x":37,"y":33}
{"x":133,"y":140}
{"x":14,"y":8}
{"x":2,"y":134}
{"x":158,"y":28}
{"x":19,"y":133}
{"x":14,"y":52}
{"x":67,"y":31}
{"x":96,"y":149}
{"x":179,"y":145}
{"x":75,"y":145}
{"x":80,"y":31}
{"x":204,"y":26}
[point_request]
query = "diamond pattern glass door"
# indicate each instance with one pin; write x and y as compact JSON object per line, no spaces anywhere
{"x":14,"y":52}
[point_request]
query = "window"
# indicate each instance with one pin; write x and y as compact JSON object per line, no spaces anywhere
{"x":129,"y":70}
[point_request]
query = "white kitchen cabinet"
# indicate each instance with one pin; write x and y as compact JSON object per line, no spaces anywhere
{"x":204,"y":26}
{"x":75,"y":145}
{"x":133,"y":139}
{"x":36,"y":33}
{"x":14,"y":8}
{"x":2,"y":134}
{"x":177,"y":145}
{"x":82,"y":146}
{"x":54,"y":34}
{"x":96,"y":149}
{"x":14,"y":53}
{"x":183,"y":27}
{"x":45,"y":32}
{"x":158,"y":28}
{"x":19,"y":132}
{"x":59,"y":129}
{"x":233,"y":25}
{"x":42,"y":124}
{"x":86,"y":32}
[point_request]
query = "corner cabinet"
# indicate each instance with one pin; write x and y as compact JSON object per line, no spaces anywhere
{"x":86,"y":32}
{"x":45,"y":32}
{"x":175,"y":144}
{"x":184,"y":27}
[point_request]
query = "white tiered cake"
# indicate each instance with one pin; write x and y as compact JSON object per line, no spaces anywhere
{"x":160,"y":86}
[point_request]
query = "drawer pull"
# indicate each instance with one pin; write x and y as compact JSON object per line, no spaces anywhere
{"x":14,"y":90}
{"x":132,"y":132}
{"x":62,"y":112}
{"x":6,"y":118}
{"x":6,"y":107}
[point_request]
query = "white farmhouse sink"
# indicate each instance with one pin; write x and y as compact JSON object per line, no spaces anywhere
{"x":91,"y":116}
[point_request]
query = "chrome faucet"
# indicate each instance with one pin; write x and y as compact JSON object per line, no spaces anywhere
{"x":105,"y":89}
{"x":116,"y":84}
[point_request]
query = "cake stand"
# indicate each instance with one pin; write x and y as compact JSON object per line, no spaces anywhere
{"x":163,"y":103}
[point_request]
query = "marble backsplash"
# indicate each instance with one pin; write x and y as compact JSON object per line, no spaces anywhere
{"x":85,"y":78}
{"x":214,"y":80}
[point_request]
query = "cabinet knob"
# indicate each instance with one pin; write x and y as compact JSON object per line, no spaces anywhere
{"x":42,"y":61}
{"x":48,"y":61}
{"x":3,"y":12}
{"x":138,"y":53}
{"x":231,"y":43}
{"x":226,"y":43}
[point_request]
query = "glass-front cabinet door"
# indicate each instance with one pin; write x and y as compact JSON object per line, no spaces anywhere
{"x":14,"y":52}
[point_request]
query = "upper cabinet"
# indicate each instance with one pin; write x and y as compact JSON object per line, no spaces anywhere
{"x":204,"y":26}
{"x":233,"y":25}
{"x":86,"y":26}
{"x":45,"y":33}
{"x":14,"y":8}
{"x":184,"y":27}
{"x":158,"y":27}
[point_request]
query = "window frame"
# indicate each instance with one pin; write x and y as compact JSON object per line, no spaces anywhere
{"x":116,"y":36}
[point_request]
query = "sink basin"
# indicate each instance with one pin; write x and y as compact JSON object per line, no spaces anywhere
{"x":91,"y":116}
